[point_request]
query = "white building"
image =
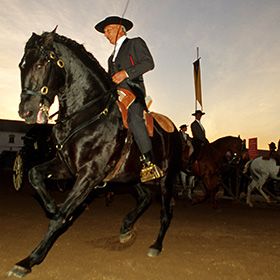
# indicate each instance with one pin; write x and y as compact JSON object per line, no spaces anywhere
{"x":11,"y":133}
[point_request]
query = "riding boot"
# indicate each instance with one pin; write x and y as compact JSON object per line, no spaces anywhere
{"x":150,"y":171}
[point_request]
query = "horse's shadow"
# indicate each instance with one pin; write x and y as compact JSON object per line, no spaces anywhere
{"x":111,"y":243}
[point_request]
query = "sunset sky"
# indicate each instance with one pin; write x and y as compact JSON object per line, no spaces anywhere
{"x":239,"y":46}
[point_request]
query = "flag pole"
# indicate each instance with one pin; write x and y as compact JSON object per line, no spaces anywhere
{"x":197,"y":56}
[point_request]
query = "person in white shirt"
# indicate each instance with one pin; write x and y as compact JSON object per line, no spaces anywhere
{"x":130,"y":59}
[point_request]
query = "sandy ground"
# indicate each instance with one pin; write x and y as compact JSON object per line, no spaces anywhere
{"x":232,"y":242}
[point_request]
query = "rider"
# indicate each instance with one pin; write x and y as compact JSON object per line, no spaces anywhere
{"x":273,"y":153}
{"x":187,"y":146}
{"x":130,"y":59}
{"x":187,"y":149}
{"x":183,"y":133}
{"x":198,"y":132}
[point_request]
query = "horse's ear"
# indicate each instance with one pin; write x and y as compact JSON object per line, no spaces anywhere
{"x":34,"y":39}
{"x":54,"y":31}
{"x":49,"y":38}
{"x":34,"y":35}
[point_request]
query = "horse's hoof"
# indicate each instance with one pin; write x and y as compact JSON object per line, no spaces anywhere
{"x":153,"y":252}
{"x":18,"y":271}
{"x":250,"y":204}
{"x":125,"y":237}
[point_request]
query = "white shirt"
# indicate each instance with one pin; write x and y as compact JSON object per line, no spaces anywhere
{"x":118,"y":46}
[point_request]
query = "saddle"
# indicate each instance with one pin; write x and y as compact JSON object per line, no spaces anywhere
{"x":126,"y":98}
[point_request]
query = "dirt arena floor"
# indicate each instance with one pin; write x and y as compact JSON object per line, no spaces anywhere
{"x":233,"y":242}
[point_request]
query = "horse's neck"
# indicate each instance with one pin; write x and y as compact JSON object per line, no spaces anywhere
{"x":81,"y":86}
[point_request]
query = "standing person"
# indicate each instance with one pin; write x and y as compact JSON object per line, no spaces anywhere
{"x":187,"y":150}
{"x":198,"y":132}
{"x":187,"y":146}
{"x":183,"y":133}
{"x":130,"y":59}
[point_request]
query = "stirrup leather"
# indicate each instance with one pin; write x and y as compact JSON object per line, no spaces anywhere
{"x":150,"y":172}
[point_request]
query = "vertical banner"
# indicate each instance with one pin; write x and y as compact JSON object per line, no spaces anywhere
{"x":253,"y":147}
{"x":197,"y":82}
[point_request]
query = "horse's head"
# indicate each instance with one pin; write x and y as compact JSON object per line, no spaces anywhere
{"x":42,"y":75}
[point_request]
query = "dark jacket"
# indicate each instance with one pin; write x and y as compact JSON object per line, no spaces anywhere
{"x":135,"y":58}
{"x":198,"y":133}
{"x":275,"y":155}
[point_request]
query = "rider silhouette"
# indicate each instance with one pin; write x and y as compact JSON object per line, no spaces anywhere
{"x":273,"y":153}
{"x":198,"y":132}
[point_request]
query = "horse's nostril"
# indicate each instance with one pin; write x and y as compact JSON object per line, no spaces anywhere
{"x":27,"y":113}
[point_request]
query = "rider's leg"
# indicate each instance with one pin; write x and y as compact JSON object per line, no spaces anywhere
{"x":137,"y":126}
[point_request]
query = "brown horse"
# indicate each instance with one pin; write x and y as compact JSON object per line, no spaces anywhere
{"x":207,"y":167}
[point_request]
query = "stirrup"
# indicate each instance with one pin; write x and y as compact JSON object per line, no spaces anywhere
{"x":150,"y":172}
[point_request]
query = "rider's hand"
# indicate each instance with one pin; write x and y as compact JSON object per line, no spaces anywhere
{"x":119,"y":77}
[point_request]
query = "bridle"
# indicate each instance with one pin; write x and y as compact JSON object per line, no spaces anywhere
{"x":54,"y":62}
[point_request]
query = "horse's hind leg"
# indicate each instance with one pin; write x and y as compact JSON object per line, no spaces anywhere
{"x":166,"y":215}
{"x":143,"y":198}
{"x":258,"y":184}
{"x":260,"y":189}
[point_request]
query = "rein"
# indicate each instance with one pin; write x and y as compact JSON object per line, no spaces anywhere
{"x":83,"y":125}
{"x":85,"y":106}
{"x":102,"y":114}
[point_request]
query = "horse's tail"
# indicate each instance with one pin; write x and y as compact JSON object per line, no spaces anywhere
{"x":246,"y":169}
{"x":253,"y":170}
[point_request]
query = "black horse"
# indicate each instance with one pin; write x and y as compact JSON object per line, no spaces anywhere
{"x":93,"y":147}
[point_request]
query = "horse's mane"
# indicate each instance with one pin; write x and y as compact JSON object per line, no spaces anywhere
{"x":78,"y":49}
{"x":226,"y":141}
{"x":86,"y":57}
{"x":222,"y":139}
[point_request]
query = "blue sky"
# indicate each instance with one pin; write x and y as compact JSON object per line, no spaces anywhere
{"x":239,"y":46}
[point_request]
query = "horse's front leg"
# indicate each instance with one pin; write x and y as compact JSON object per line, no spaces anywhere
{"x":59,"y":224}
{"x":250,"y":188}
{"x":37,"y":176}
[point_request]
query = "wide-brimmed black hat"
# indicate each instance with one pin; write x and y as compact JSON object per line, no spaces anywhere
{"x":183,"y":126}
{"x":198,"y":112}
{"x":272,"y":146}
{"x":113,"y":20}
